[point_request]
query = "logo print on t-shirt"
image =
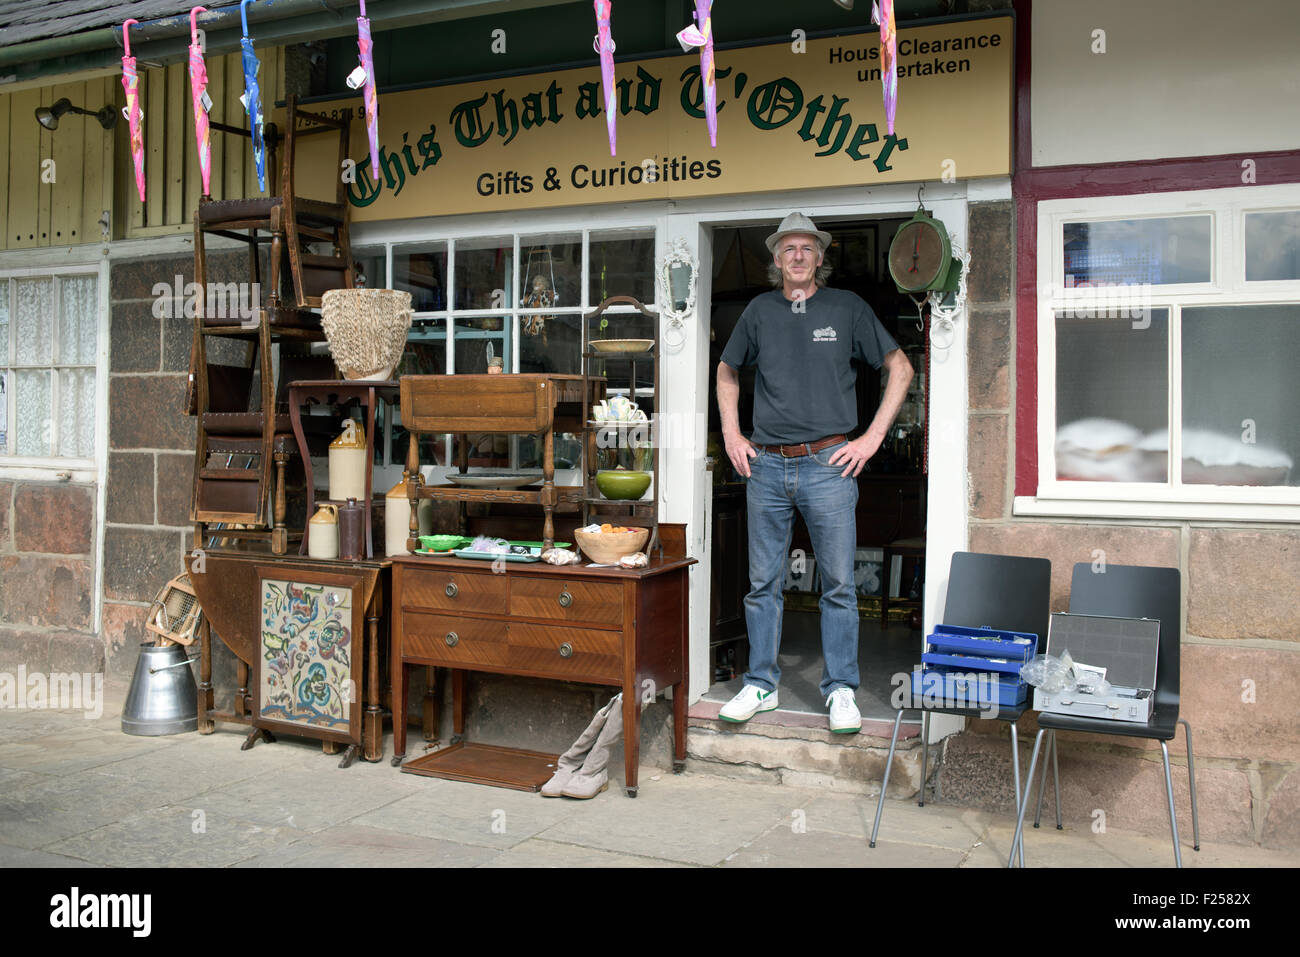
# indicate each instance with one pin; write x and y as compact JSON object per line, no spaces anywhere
{"x":824,"y":334}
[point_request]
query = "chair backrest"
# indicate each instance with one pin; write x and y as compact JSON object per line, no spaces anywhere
{"x":1138,"y":591}
{"x":1010,"y":592}
{"x":300,"y":123}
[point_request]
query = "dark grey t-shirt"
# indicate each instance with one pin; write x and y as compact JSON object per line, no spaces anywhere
{"x":804,"y":387}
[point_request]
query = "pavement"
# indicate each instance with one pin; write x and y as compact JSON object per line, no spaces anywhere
{"x":77,"y":792}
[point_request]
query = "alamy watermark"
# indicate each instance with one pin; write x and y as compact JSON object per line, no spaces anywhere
{"x":57,"y":691}
{"x":931,"y":690}
{"x":235,"y":301}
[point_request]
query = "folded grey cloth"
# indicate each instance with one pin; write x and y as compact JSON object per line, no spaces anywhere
{"x":570,"y":762}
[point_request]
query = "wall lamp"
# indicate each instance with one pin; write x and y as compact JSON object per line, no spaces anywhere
{"x":48,"y":116}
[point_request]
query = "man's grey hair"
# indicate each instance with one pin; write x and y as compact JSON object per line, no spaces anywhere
{"x":820,"y":277}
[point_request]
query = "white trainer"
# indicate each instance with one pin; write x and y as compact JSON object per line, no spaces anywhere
{"x":751,"y":700}
{"x":845,"y":718}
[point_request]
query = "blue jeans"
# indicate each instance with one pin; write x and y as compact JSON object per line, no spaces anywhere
{"x":827,"y":501}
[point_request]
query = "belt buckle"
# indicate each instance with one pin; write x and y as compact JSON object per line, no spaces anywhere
{"x":806,"y":446}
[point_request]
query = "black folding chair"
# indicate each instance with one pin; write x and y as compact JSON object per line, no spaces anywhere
{"x":1128,"y":591}
{"x":1007,"y":592}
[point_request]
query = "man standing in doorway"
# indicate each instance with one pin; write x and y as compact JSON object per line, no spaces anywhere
{"x":802,"y":336}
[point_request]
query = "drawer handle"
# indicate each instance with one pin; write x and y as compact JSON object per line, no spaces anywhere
{"x":566,"y":650}
{"x":451,"y":589}
{"x":452,"y":639}
{"x":565,"y":599}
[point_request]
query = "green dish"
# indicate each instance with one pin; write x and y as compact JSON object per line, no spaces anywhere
{"x":621,"y":484}
{"x":443,"y":543}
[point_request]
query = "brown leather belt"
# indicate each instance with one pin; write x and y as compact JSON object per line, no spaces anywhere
{"x":804,"y":448}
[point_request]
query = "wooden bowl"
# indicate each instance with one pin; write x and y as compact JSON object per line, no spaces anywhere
{"x":606,"y":548}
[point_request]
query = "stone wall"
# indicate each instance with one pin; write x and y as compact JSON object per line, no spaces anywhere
{"x":1241,"y":625}
{"x":151,"y":444}
{"x":47,"y":578}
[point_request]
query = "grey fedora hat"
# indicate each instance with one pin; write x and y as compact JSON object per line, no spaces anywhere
{"x":798,"y":223}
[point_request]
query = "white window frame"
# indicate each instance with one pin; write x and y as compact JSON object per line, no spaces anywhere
{"x":47,"y":468}
{"x":1227,"y":287}
{"x":520,"y":235}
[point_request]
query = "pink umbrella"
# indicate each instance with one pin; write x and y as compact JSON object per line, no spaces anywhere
{"x":604,"y":45}
{"x":198,"y":93}
{"x":370,"y":95}
{"x":701,"y":35}
{"x":134,"y":115}
{"x":884,"y":15}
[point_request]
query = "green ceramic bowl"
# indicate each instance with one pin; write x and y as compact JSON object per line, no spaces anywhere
{"x":442,"y":543}
{"x":622,"y":484}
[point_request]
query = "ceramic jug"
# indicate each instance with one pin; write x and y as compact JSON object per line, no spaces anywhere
{"x":397,"y":518}
{"x":323,"y":537}
{"x":347,"y":460}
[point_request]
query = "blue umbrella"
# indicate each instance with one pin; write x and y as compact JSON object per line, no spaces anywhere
{"x":253,"y":97}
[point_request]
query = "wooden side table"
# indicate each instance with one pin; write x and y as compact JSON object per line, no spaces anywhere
{"x":345,"y":393}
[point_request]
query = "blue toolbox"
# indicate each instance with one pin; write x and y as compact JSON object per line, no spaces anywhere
{"x":973,"y":667}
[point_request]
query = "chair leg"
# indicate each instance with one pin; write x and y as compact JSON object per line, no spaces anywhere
{"x":925,"y":753}
{"x":1191,"y":780}
{"x":1173,"y":817}
{"x":1042,"y":784}
{"x":1020,"y":817}
{"x":884,"y":785}
{"x":1056,"y":781}
{"x":1015,"y":778}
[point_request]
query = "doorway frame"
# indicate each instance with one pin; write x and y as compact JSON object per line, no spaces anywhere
{"x":946,"y":495}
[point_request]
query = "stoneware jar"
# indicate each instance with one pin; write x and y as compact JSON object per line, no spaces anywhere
{"x":323,"y":537}
{"x":397,"y":518}
{"x":348,"y":463}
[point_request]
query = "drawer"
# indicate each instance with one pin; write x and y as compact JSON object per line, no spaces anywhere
{"x":443,"y":588}
{"x":454,"y":642}
{"x":553,"y":651}
{"x":567,"y":600}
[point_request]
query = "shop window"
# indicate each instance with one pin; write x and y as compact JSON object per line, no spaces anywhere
{"x":49,"y":341}
{"x":622,"y":264}
{"x":1168,"y":342}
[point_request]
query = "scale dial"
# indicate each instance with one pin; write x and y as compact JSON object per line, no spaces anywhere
{"x":918,"y":254}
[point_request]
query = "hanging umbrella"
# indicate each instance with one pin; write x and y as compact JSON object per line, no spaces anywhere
{"x":198,"y":93}
{"x":253,"y":97}
{"x":133,"y":113}
{"x":701,"y":35}
{"x":604,"y":45}
{"x":370,"y":95}
{"x":883,"y":13}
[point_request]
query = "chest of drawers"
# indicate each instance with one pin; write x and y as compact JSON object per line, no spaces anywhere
{"x":606,"y":626}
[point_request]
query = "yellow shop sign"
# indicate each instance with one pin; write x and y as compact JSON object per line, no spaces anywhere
{"x":790,"y":115}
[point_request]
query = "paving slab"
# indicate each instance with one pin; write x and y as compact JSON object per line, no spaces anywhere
{"x":539,"y":852}
{"x":11,"y":856}
{"x":900,"y":821}
{"x":784,"y":846}
{"x":175,"y":837}
{"x":353,"y":846}
{"x":1048,"y":847}
{"x":38,"y":814}
{"x":307,"y":799}
{"x":1141,"y":850}
{"x":74,"y":749}
{"x":476,"y":814}
{"x":694,"y":819}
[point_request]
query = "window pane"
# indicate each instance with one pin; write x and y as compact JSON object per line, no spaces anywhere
{"x":426,"y":349}
{"x":77,"y":413}
{"x":422,"y":271}
{"x":78,"y":320}
{"x":4,"y":328}
{"x":4,"y":412}
{"x":622,"y":265}
{"x":33,"y":329}
{"x":1112,"y":388}
{"x":550,"y":343}
{"x":484,"y":273}
{"x":1157,"y":251}
{"x":550,"y":271}
{"x":1241,"y":395}
{"x":371,"y":264}
{"x":478,"y":339}
{"x":1273,"y":245}
{"x":32,"y":411}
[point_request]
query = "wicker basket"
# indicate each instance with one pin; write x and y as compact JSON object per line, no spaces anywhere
{"x":605,"y":548}
{"x":366,"y":329}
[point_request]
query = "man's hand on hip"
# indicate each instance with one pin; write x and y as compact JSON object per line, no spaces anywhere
{"x":740,"y":451}
{"x":854,"y":455}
